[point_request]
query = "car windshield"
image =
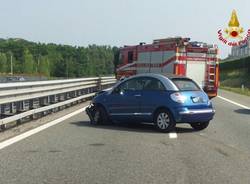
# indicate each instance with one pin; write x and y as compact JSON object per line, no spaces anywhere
{"x":185,"y":84}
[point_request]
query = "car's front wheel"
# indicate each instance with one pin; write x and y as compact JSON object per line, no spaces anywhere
{"x":200,"y":126}
{"x":99,"y":116}
{"x":164,"y":121}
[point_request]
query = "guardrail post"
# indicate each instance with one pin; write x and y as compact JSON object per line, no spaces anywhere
{"x":3,"y":126}
{"x":13,"y":108}
{"x":5,"y":110}
{"x":99,"y":84}
{"x":19,"y":122}
{"x":1,"y":111}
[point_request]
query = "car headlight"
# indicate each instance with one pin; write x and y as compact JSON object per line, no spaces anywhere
{"x":178,"y":97}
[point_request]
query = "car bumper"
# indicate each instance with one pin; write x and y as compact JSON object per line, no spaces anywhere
{"x":194,"y":115}
{"x":90,"y":111}
{"x":197,"y":111}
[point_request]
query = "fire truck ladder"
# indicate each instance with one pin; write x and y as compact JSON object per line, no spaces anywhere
{"x":210,"y":75}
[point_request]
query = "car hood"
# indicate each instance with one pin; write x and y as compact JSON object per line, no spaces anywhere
{"x":107,"y":91}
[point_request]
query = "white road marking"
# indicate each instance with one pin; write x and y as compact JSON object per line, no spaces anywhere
{"x":172,"y":135}
{"x":38,"y":129}
{"x":235,"y":103}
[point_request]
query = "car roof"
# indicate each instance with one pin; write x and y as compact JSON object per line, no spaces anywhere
{"x":160,"y":76}
{"x":172,"y":76}
{"x":164,"y":78}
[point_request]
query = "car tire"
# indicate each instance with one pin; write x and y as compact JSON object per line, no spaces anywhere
{"x":99,"y":116}
{"x":164,"y":121}
{"x":199,"y":126}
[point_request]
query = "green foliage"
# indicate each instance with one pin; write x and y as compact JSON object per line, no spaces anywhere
{"x":43,"y":66}
{"x":56,"y":60}
{"x":243,"y":63}
{"x":244,"y":91}
{"x":3,"y":63}
{"x":116,"y":56}
{"x":234,"y":74}
{"x":28,"y":65}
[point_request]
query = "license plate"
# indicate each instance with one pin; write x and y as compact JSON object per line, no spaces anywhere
{"x":197,"y":99}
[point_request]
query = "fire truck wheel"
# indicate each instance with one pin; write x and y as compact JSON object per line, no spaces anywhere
{"x":200,"y":126}
{"x":164,"y":121}
{"x":99,"y":116}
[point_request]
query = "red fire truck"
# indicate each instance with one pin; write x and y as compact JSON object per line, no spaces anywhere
{"x":180,"y":56}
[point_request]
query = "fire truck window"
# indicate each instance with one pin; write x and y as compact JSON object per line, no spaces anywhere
{"x":130,"y":56}
{"x":153,"y":84}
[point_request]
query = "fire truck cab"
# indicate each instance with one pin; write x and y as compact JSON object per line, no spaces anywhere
{"x":179,"y":56}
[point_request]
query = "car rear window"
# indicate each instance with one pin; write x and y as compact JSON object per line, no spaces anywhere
{"x":185,"y":84}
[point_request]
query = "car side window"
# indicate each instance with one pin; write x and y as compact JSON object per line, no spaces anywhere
{"x":131,"y":85}
{"x":153,"y":84}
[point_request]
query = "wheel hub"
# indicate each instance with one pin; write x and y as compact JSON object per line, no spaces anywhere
{"x":163,"y":120}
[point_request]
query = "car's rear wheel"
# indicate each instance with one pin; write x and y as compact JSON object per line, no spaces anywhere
{"x":99,"y":116}
{"x":164,"y":121}
{"x":199,"y":126}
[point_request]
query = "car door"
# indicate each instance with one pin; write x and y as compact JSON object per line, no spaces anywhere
{"x":152,"y":97}
{"x":124,"y":101}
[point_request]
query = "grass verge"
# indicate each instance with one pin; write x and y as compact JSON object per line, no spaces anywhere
{"x":246,"y":91}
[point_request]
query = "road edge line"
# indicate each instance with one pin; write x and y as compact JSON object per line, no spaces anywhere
{"x":29,"y":133}
{"x":235,"y":103}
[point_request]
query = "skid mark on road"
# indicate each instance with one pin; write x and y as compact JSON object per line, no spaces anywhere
{"x":235,"y":103}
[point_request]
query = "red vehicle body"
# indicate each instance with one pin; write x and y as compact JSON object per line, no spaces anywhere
{"x":179,"y":56}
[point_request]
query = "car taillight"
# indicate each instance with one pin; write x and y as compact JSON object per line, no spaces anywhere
{"x":178,"y":97}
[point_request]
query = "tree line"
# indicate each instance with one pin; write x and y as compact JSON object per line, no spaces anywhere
{"x":54,"y":60}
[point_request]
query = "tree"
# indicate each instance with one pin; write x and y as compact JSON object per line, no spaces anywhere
{"x":55,"y":60}
{"x":116,"y":57}
{"x":44,"y":66}
{"x":3,"y":63}
{"x":28,"y":66}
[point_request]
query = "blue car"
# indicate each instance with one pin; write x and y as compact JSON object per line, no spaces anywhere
{"x":160,"y":99}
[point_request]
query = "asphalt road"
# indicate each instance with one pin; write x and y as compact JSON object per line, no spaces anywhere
{"x":75,"y":152}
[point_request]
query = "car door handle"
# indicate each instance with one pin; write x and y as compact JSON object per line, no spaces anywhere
{"x":137,"y":95}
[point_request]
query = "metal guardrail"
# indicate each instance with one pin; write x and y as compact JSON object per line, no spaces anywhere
{"x":29,"y":99}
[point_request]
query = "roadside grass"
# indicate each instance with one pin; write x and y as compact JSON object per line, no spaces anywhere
{"x":235,"y":76}
{"x":232,"y":80}
{"x":244,"y":91}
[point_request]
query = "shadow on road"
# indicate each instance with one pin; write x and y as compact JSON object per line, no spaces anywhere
{"x":243,"y":111}
{"x":184,"y":130}
{"x":133,"y":127}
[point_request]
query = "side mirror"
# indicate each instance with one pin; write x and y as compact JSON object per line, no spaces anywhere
{"x":116,"y":90}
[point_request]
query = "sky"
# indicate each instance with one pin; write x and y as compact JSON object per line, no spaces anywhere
{"x":119,"y":22}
